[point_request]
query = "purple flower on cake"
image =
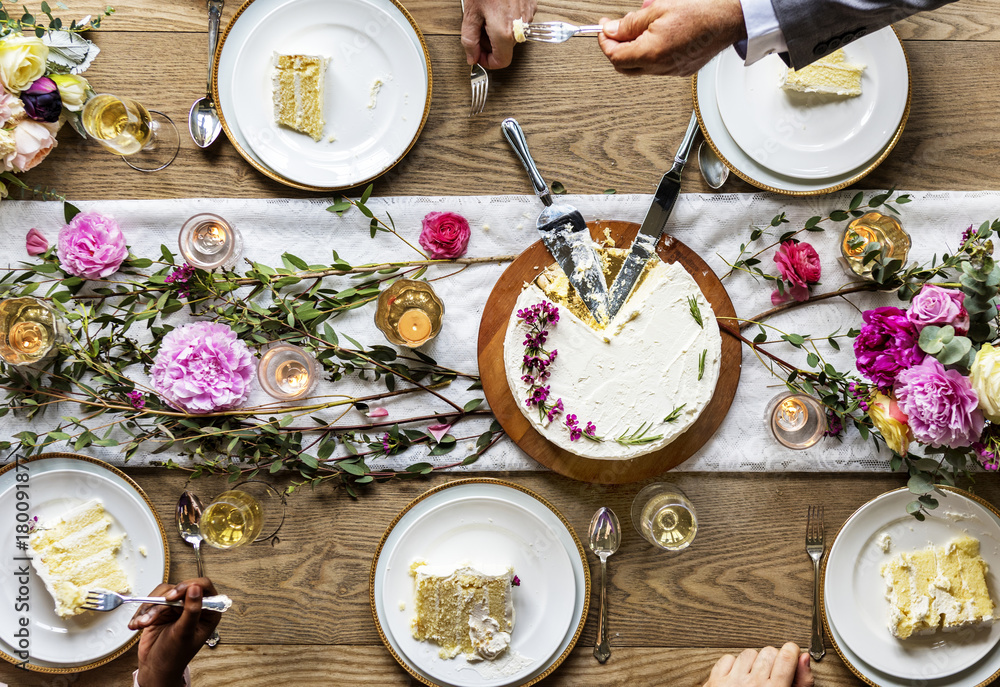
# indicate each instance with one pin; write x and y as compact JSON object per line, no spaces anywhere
{"x":938,"y":306}
{"x":574,"y":428}
{"x":941,"y":406}
{"x":35,"y":242}
{"x":886,"y":345}
{"x":41,"y":100}
{"x":799,"y":265}
{"x":91,"y":246}
{"x":516,"y":582}
{"x":202,"y":368}
{"x":444,"y":235}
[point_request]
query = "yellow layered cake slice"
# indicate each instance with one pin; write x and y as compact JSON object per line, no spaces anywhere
{"x":297,"y":83}
{"x":935,"y":589}
{"x":74,"y":554}
{"x":831,"y":75}
{"x":463,"y":609}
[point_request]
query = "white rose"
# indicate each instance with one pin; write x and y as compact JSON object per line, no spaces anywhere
{"x":985,"y":379}
{"x":8,"y":147}
{"x":22,"y":61}
{"x":72,"y":90}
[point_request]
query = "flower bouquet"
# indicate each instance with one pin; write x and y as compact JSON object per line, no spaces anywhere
{"x":40,"y":87}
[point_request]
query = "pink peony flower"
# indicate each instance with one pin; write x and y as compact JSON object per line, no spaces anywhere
{"x":942,"y":408}
{"x":9,"y":105}
{"x":938,"y":306}
{"x":444,"y":235}
{"x":886,"y":345}
{"x":799,"y":265}
{"x":91,"y":246}
{"x":202,"y":367}
{"x":34,"y":140}
{"x":35,"y":242}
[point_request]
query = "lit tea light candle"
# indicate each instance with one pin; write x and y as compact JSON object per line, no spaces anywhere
{"x":409,"y":313}
{"x":286,"y":372}
{"x":208,"y":242}
{"x":796,"y":420}
{"x":29,"y":331}
{"x":872,"y":228}
{"x":414,"y":325}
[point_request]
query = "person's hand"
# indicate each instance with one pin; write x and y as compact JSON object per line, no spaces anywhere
{"x":171,"y":636}
{"x":676,"y":37}
{"x":770,"y":667}
{"x":487,"y":30}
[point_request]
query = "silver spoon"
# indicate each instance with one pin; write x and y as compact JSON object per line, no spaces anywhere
{"x":605,"y":536}
{"x":713,"y":170}
{"x":189,"y":510}
{"x":203,"y":120}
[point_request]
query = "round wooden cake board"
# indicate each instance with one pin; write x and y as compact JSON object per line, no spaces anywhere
{"x":493,"y":329}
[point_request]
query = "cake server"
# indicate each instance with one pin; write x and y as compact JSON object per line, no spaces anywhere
{"x":564,"y":232}
{"x":644,"y":246}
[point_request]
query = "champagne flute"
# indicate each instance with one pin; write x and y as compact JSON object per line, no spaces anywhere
{"x":146,"y":139}
{"x":239,"y":515}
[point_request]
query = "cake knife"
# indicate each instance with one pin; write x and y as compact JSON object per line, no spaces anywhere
{"x":564,"y":232}
{"x":644,"y":246}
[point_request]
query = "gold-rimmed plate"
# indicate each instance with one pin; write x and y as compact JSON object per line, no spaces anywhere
{"x":56,"y":483}
{"x":489,"y":522}
{"x":377,"y":88}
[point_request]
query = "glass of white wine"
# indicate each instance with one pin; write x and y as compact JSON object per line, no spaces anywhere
{"x":146,"y":139}
{"x":239,"y":515}
{"x":664,"y":517}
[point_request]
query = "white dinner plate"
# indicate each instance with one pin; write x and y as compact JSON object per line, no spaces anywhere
{"x":57,"y":484}
{"x":854,"y":593}
{"x":750,"y":170}
{"x":489,"y":522}
{"x":809,"y":135}
{"x":366,"y":41}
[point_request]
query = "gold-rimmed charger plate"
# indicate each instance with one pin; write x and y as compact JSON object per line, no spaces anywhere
{"x":740,"y":163}
{"x":58,"y":481}
{"x":363,"y":39}
{"x":549,"y":540}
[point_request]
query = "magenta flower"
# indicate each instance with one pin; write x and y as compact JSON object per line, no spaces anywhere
{"x":799,"y":265}
{"x":202,"y":367}
{"x":35,"y":242}
{"x":938,"y":306}
{"x":137,"y":399}
{"x":941,"y":406}
{"x":91,"y":246}
{"x":41,"y":100}
{"x":887,"y":344}
{"x":445,"y":235}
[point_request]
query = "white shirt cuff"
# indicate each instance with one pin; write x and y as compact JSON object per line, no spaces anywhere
{"x":187,"y":678}
{"x":764,"y":35}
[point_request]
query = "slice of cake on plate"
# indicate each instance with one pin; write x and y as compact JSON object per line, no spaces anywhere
{"x":298,"y":93}
{"x":463,"y":609}
{"x":941,"y":588}
{"x":830,"y":75}
{"x":74,"y":554}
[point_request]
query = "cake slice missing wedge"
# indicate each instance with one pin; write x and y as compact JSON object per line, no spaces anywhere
{"x":74,"y":554}
{"x":297,"y":83}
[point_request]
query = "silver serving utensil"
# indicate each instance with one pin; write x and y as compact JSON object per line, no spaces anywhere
{"x":605,"y":537}
{"x":564,"y":232}
{"x":203,"y":119}
{"x":815,"y":548}
{"x":558,"y":31}
{"x":189,"y":510}
{"x":713,"y":170}
{"x":644,"y":246}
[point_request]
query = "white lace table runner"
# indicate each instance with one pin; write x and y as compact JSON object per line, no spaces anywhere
{"x":713,"y":225}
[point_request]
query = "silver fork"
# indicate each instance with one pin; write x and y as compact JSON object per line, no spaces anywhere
{"x":479,"y":80}
{"x":109,"y":601}
{"x":557,"y":31}
{"x":815,"y":548}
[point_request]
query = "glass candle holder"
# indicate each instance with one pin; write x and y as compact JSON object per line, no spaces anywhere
{"x":870,"y":228}
{"x":796,"y":420}
{"x":409,"y":313}
{"x":209,"y":242}
{"x":286,"y":372}
{"x":664,"y":517}
{"x":29,"y":331}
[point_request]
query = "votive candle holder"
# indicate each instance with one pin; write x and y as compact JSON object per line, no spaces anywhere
{"x":409,"y":313}
{"x":286,"y":372}
{"x":870,"y":228}
{"x":797,"y":421}
{"x":209,"y":242}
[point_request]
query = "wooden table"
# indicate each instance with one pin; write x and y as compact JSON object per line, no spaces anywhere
{"x":302,"y":614}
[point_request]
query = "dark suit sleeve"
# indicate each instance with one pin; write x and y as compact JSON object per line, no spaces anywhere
{"x":814,"y":28}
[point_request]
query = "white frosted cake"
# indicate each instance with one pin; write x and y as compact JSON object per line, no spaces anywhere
{"x":831,"y":74}
{"x":74,"y":554}
{"x":630,"y":388}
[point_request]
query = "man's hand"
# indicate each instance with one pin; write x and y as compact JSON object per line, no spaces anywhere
{"x":487,"y":30}
{"x":769,"y":668}
{"x":676,"y":37}
{"x":172,"y":636}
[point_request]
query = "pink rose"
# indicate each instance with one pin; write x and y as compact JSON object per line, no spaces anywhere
{"x":445,"y":235}
{"x":36,"y":243}
{"x":9,"y":106}
{"x":799,"y":265}
{"x":91,"y":246}
{"x":938,"y":306}
{"x":34,"y":140}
